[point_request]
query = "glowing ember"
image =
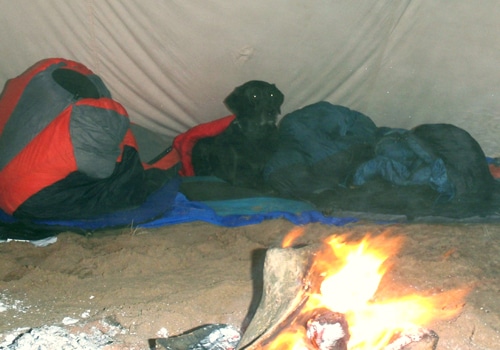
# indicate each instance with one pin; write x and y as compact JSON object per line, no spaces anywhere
{"x":344,"y":279}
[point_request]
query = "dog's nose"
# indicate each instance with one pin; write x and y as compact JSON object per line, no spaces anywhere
{"x":274,"y":112}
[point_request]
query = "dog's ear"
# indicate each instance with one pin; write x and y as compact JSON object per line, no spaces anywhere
{"x":280,"y":98}
{"x":237,"y":100}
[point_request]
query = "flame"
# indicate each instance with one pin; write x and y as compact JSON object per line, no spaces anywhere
{"x":293,"y":339}
{"x":296,"y":232}
{"x":349,"y":275}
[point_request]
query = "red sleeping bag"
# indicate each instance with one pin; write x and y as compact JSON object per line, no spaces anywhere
{"x":66,"y":148}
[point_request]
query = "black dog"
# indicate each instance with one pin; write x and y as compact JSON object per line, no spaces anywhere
{"x":239,"y":153}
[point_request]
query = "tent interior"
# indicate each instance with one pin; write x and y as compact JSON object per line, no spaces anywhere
{"x":171,"y":64}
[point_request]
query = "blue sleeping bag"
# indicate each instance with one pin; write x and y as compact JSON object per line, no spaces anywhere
{"x":400,"y":159}
{"x":319,"y":146}
{"x":323,"y":146}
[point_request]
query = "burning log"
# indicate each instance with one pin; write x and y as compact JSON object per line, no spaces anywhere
{"x":420,"y":339}
{"x":287,"y":288}
{"x":284,"y":291}
{"x":328,"y":330}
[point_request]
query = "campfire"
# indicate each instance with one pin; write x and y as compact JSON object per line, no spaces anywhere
{"x":333,"y":296}
{"x":336,"y":298}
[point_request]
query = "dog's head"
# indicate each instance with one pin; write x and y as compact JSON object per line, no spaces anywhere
{"x":256,"y":104}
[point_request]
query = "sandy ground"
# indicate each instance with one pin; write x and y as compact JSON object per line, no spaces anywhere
{"x":131,"y":285}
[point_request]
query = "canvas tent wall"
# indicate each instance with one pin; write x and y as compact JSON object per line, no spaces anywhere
{"x":172,"y":62}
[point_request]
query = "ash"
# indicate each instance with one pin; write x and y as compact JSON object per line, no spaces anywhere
{"x":55,"y":337}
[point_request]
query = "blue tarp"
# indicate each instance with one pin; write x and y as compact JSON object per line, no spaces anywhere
{"x":241,"y":212}
{"x":168,"y":207}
